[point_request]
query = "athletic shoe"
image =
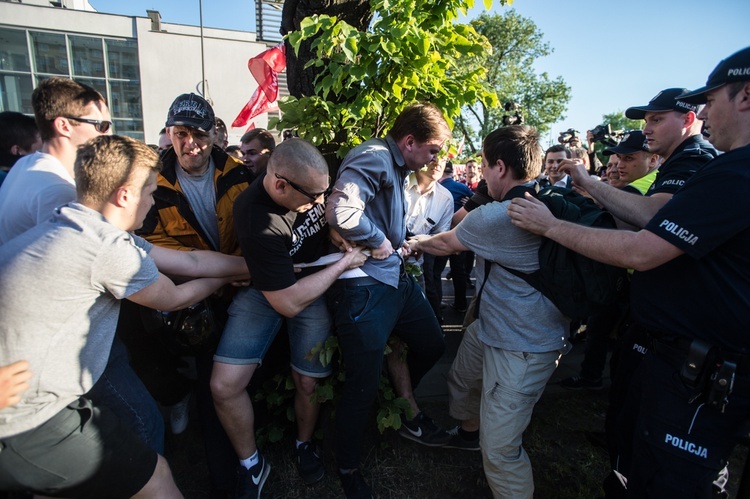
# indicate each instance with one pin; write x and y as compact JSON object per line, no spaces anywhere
{"x":459,"y":442}
{"x":308,"y":463}
{"x":179,"y":415}
{"x":424,"y":430}
{"x":354,"y":485}
{"x":250,"y":482}
{"x":577,"y":382}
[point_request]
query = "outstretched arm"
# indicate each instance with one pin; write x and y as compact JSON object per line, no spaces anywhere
{"x":168,"y":296}
{"x":445,"y":243}
{"x":641,"y":250}
{"x":198,"y":263}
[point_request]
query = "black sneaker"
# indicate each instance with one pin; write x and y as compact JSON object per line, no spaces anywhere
{"x":577,"y":382}
{"x":424,"y":430}
{"x":458,"y":442}
{"x":308,"y":463}
{"x":250,"y":481}
{"x":354,"y":485}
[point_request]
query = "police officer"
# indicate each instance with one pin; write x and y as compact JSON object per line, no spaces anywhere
{"x":690,"y":396}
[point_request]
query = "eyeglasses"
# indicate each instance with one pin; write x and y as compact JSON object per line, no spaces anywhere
{"x":312,"y":195}
{"x":102,"y":126}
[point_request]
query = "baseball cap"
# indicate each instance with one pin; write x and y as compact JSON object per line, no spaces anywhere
{"x":631,"y":142}
{"x":448,"y":167}
{"x":192,"y":111}
{"x":734,"y":68}
{"x":666,"y":100}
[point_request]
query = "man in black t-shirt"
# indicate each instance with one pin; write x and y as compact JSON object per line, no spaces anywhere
{"x":690,"y":398}
{"x":280,"y":221}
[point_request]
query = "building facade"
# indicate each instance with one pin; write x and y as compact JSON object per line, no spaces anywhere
{"x":138,"y":63}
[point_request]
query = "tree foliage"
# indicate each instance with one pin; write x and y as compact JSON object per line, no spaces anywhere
{"x":412,"y":50}
{"x":618,"y":121}
{"x":517,"y":43}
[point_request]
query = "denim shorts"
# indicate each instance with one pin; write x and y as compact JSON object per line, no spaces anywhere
{"x":252,"y":327}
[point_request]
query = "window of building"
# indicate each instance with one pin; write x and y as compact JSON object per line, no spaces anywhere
{"x":107,"y":64}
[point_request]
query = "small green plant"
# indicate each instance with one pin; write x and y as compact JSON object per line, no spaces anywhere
{"x":278,"y":394}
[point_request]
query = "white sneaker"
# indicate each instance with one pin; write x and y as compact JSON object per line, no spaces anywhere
{"x":178,"y":415}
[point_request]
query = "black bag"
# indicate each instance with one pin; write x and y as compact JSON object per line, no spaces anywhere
{"x":577,"y":285}
{"x":190,"y":331}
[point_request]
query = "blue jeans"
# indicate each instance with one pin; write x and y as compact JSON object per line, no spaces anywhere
{"x":122,"y":391}
{"x":366,"y":312}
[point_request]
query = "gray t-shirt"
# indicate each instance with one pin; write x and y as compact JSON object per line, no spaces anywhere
{"x":201,"y":194}
{"x":61,"y":283}
{"x":513,"y":315}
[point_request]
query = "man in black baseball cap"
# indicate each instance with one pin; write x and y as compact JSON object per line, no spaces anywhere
{"x":193,"y":209}
{"x":637,"y":165}
{"x":666,"y":100}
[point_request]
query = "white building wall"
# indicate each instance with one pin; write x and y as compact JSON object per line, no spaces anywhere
{"x":169,"y":60}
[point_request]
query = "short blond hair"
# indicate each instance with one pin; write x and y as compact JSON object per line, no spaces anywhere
{"x":108,"y":162}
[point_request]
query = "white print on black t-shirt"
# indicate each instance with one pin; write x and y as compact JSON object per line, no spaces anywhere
{"x":314,"y":222}
{"x":678,"y":231}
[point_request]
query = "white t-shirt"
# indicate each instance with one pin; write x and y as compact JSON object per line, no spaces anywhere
{"x":35,"y":186}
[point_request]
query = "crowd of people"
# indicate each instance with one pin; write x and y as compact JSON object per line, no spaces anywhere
{"x":119,"y":261}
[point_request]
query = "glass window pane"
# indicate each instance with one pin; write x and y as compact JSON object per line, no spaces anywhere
{"x":50,"y":55}
{"x":15,"y":93}
{"x":14,"y":55}
{"x":122,"y":56}
{"x":87,"y":56}
{"x":125,"y":99}
{"x":130,"y":128}
{"x":99,"y":85}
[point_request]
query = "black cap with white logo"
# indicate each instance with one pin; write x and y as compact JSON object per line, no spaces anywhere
{"x":666,"y":100}
{"x":734,"y":68}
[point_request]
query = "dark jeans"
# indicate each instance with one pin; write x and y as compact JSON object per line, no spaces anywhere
{"x":122,"y":391}
{"x":599,"y":329}
{"x":433,"y":285}
{"x":458,"y":276}
{"x":366,"y":313}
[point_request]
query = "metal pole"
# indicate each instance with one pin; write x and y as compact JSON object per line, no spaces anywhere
{"x":203,"y":61}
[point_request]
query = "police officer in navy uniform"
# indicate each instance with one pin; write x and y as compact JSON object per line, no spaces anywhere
{"x":690,"y":397}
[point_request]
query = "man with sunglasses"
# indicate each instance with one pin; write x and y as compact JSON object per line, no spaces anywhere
{"x":68,"y":114}
{"x":280,"y":222}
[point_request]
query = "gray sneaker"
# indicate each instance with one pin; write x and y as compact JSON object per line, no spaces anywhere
{"x":458,"y":442}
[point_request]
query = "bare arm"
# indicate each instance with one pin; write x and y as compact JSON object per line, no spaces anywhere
{"x":631,"y":208}
{"x":458,"y":216}
{"x":166,"y":295}
{"x":641,"y":250}
{"x":198,"y":263}
{"x":445,"y":243}
{"x":294,"y":299}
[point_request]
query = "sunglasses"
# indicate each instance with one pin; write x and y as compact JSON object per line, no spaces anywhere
{"x":312,"y":195}
{"x":102,"y":126}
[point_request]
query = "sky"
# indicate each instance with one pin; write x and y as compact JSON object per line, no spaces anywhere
{"x":613,"y":54}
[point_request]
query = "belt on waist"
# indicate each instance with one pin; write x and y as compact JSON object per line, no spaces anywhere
{"x":675,"y":348}
{"x":357,"y":281}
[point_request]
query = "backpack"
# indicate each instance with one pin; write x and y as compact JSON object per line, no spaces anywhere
{"x":577,"y":285}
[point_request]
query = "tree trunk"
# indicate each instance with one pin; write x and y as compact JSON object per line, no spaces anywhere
{"x":355,"y":12}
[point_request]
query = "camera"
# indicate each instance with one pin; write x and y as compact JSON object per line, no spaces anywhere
{"x":515,"y":118}
{"x":568,"y":135}
{"x":605,"y":135}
